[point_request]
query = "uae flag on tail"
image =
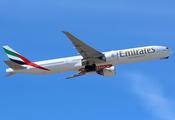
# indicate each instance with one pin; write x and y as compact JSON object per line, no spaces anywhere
{"x":13,"y":55}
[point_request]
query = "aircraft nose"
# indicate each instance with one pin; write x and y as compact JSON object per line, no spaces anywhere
{"x":170,"y":51}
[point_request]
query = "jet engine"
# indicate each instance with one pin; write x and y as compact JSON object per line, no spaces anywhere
{"x":110,"y":56}
{"x":107,"y":71}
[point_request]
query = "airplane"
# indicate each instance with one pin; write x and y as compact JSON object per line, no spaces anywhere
{"x":90,"y":62}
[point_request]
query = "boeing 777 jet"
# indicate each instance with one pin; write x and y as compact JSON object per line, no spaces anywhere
{"x":89,"y":62}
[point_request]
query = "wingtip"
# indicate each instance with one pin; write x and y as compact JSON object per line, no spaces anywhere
{"x":64,"y":31}
{"x":62,"y":78}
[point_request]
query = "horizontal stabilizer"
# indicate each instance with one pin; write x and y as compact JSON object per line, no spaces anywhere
{"x":10,"y":74}
{"x":13,"y":65}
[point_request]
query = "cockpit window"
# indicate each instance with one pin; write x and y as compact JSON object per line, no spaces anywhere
{"x":167,"y":48}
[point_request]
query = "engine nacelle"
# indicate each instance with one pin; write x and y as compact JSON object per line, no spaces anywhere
{"x":110,"y":56}
{"x":107,"y":71}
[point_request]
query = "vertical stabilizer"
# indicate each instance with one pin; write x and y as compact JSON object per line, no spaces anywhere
{"x":15,"y":56}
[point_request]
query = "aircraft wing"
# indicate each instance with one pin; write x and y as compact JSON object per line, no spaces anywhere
{"x":76,"y":75}
{"x":84,"y":50}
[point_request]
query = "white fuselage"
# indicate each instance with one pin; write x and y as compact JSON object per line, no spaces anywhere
{"x":114,"y":58}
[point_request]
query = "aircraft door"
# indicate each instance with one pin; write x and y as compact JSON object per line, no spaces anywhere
{"x":115,"y":55}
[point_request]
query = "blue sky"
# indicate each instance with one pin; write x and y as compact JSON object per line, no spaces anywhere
{"x":143,"y":90}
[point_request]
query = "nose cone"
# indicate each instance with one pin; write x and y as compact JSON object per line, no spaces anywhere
{"x":170,"y":51}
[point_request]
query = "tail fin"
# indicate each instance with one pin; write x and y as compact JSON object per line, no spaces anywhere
{"x":15,"y":57}
{"x":19,"y":60}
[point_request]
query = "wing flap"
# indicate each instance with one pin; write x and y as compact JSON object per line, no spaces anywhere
{"x":76,"y":75}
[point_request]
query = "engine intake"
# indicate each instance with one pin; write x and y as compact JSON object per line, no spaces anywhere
{"x":107,"y":71}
